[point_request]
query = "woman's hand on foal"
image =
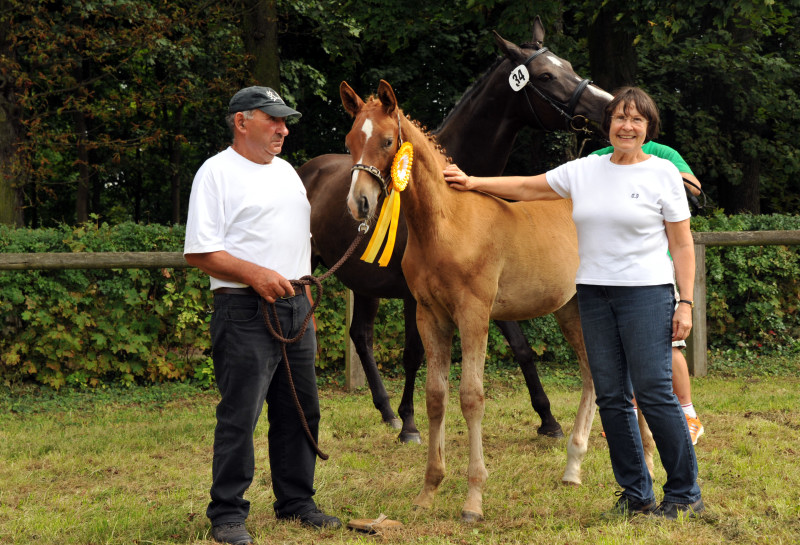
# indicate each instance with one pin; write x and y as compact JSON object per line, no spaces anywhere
{"x":456,"y":178}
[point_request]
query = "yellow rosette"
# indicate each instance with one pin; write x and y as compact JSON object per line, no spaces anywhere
{"x":390,"y":210}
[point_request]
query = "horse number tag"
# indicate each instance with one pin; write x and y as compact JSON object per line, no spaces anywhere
{"x":519,"y":77}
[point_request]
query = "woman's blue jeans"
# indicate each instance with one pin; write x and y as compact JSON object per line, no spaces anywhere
{"x":249,"y":370}
{"x":627,"y":331}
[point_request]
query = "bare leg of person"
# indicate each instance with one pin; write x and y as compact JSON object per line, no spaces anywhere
{"x":682,"y":386}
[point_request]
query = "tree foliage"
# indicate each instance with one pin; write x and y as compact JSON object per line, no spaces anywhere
{"x":109,"y":94}
{"x":111,"y":105}
{"x":726,"y":77}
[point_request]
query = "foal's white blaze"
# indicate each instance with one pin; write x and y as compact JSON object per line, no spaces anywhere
{"x":366,"y":128}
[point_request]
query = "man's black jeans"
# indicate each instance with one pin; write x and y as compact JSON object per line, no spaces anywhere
{"x":249,"y":370}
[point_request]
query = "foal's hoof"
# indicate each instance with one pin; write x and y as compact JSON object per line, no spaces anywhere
{"x":471,"y":517}
{"x":410,"y":437}
{"x":552,"y":432}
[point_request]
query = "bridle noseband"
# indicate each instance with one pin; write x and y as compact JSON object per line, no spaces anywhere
{"x":375,"y":171}
{"x":566,"y":110}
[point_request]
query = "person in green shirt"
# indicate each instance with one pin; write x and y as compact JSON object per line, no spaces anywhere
{"x":681,"y":384}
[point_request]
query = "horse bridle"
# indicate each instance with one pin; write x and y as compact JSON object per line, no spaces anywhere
{"x":375,"y":171}
{"x":566,"y":110}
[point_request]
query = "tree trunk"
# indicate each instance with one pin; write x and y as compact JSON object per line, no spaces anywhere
{"x":746,"y":197}
{"x":10,"y":205}
{"x":136,"y":189}
{"x":612,"y":56}
{"x":260,"y":37}
{"x":10,"y":202}
{"x":175,"y":159}
{"x":82,"y":193}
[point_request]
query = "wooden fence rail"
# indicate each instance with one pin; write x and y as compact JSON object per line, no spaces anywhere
{"x":696,"y":344}
{"x":93,"y":260}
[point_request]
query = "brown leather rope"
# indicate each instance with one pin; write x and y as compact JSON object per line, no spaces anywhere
{"x":278,"y":334}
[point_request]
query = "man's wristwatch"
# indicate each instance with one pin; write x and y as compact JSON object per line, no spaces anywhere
{"x":690,"y":303}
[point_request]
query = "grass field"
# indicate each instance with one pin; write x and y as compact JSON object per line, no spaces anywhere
{"x":133,"y":467}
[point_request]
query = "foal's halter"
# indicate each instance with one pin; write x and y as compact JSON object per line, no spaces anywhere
{"x":566,"y":110}
{"x":375,"y":171}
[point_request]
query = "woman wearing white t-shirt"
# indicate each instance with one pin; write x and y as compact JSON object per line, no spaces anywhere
{"x":629,"y":207}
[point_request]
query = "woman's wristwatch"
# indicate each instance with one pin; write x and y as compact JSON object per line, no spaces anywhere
{"x":690,"y":303}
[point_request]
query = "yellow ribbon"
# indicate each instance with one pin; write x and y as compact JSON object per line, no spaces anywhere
{"x":384,"y":221}
{"x":390,"y":209}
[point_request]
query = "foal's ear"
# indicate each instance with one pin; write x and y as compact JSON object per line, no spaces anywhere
{"x":350,"y":100}
{"x":387,"y":98}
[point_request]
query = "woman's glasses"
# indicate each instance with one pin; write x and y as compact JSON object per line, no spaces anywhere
{"x":635,"y":121}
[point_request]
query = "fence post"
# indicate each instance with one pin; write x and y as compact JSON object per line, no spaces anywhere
{"x":696,"y":356}
{"x":354,"y":371}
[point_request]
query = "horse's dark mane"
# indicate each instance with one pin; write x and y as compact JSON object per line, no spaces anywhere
{"x":469,"y":92}
{"x":471,"y":89}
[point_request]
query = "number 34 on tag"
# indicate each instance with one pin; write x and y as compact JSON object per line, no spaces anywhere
{"x":519,"y":77}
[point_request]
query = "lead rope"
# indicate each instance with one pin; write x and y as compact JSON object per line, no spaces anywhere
{"x":278,"y":333}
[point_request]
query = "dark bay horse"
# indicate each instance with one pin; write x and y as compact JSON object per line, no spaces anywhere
{"x":478,"y":133}
{"x":469,"y":258}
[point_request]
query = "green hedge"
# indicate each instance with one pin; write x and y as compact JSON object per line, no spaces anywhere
{"x":753,"y":292}
{"x":92,"y":327}
{"x":88,"y":327}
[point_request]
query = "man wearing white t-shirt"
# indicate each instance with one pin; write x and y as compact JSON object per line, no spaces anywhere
{"x":249,"y":228}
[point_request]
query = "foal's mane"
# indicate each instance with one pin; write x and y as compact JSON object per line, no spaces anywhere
{"x":422,"y":138}
{"x":427,"y":179}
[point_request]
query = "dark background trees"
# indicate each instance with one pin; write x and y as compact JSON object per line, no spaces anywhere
{"x":108,"y":107}
{"x":727,"y":77}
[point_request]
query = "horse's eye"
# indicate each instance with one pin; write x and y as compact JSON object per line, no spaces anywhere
{"x":545,"y":77}
{"x":388,"y":143}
